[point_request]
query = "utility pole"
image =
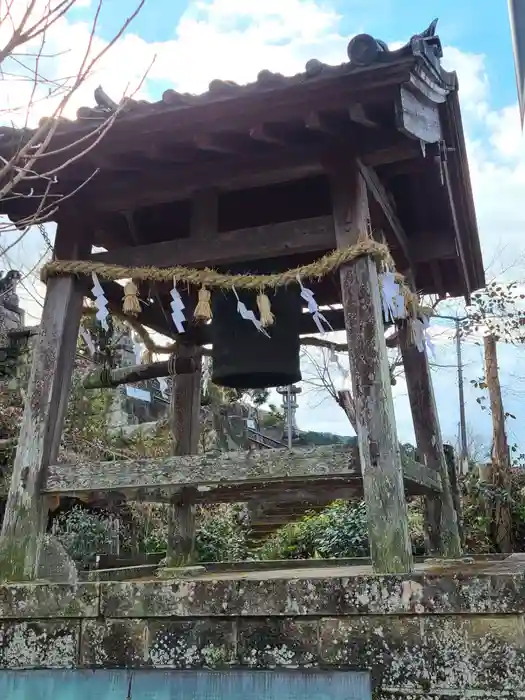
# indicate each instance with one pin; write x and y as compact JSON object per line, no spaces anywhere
{"x":462,"y":419}
{"x":463,"y":447}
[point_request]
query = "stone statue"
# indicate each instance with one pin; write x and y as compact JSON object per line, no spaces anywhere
{"x":8,"y":284}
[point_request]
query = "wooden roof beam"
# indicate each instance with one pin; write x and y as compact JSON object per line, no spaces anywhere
{"x":270,"y":134}
{"x":155,"y":185}
{"x":223,"y":143}
{"x":257,"y":243}
{"x":160,"y":185}
{"x":327,"y":125}
{"x":358,"y":113}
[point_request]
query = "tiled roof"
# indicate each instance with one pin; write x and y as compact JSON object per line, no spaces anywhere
{"x":363,"y":51}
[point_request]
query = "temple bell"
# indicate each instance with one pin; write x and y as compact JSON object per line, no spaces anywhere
{"x":245,"y":358}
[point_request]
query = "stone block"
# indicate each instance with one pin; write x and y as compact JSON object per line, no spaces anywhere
{"x":178,"y":598}
{"x":191,"y":644}
{"x":272,"y":643}
{"x":484,"y":653}
{"x":140,"y":643}
{"x":436,"y":654}
{"x":373,"y":643}
{"x":39,"y":644}
{"x":113,"y":643}
{"x":37,"y":600}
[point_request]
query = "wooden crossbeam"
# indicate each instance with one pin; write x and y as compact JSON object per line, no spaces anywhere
{"x":221,"y":476}
{"x":382,"y":200}
{"x":256,"y":243}
{"x":100,"y":378}
{"x":154,"y":185}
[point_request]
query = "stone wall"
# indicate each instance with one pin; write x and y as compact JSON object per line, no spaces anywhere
{"x":433,"y":635}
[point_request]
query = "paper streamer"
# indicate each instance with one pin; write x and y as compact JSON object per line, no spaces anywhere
{"x":421,"y":334}
{"x":248,"y":315}
{"x":392,"y":299}
{"x":313,"y":308}
{"x":101,"y":302}
{"x":177,"y":309}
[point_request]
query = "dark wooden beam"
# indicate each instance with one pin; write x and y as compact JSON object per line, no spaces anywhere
{"x":224,"y":143}
{"x":383,"y":201}
{"x":118,"y":191}
{"x":392,"y":154}
{"x":159,"y":185}
{"x":260,"y":242}
{"x":453,"y":186}
{"x":326,"y":124}
{"x":358,"y":114}
{"x":432,"y":245}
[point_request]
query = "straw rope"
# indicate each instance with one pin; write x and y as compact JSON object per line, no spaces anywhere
{"x":208,"y":278}
{"x":217,"y":280}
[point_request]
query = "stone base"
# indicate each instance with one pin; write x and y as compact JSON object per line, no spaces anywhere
{"x":450,"y":633}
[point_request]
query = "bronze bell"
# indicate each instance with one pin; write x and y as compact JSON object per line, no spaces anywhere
{"x":243,"y":357}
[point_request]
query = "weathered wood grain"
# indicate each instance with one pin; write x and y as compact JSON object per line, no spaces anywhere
{"x":186,"y":401}
{"x":211,"y":473}
{"x":442,"y":536}
{"x":417,"y":118}
{"x":185,"y":419}
{"x":273,"y":240}
{"x":40,"y":432}
{"x":376,"y":428}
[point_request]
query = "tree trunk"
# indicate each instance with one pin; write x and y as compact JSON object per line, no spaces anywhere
{"x":501,"y":515}
{"x":347,"y":403}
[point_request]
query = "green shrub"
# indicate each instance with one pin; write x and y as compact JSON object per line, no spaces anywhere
{"x":83,"y":533}
{"x":221,"y":534}
{"x":339,"y":531}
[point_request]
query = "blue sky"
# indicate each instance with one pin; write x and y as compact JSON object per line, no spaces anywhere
{"x":233,"y":39}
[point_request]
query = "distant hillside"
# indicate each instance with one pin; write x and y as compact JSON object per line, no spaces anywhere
{"x":311,"y":437}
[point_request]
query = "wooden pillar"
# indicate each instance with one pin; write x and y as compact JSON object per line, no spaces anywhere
{"x":390,"y":546}
{"x":441,"y":525}
{"x":185,"y":416}
{"x":41,"y":430}
{"x":186,"y":404}
{"x":453,"y":472}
